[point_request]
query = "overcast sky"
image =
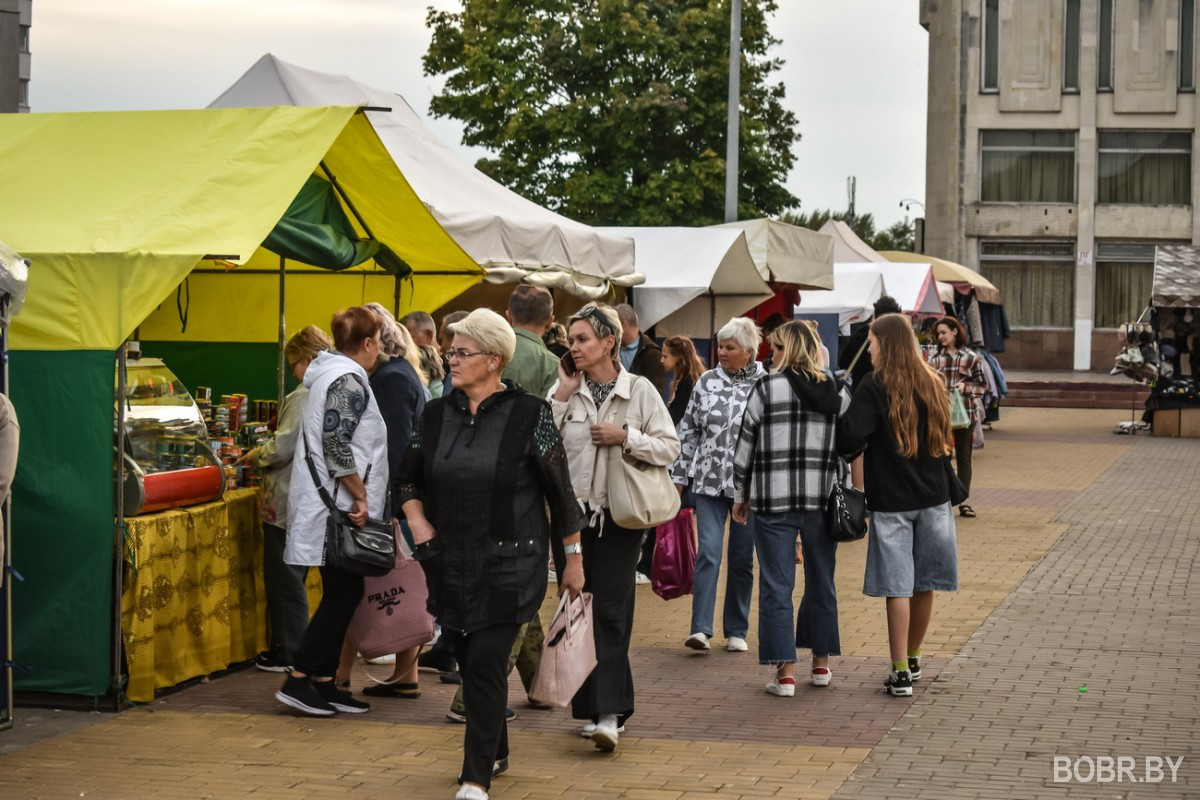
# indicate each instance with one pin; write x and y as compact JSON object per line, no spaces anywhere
{"x":855,"y":72}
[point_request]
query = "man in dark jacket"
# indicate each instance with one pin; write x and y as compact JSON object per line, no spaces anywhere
{"x":639,"y":354}
{"x":858,"y":343}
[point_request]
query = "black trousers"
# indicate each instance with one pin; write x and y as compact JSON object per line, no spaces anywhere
{"x":483,"y":661}
{"x":646,"y":560}
{"x":964,"y":441}
{"x":609,"y":561}
{"x":321,"y":647}
{"x":287,"y":600}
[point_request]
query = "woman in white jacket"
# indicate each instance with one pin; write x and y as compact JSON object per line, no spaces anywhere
{"x":591,"y":391}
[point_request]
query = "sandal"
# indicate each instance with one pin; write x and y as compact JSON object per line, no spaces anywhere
{"x":408,"y":691}
{"x":966,"y":511}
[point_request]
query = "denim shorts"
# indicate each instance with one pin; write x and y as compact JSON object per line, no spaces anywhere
{"x":911,"y":551}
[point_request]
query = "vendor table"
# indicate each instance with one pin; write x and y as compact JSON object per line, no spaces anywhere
{"x":194,"y":601}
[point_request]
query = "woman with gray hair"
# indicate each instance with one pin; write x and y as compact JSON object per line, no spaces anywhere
{"x":708,"y":434}
{"x":483,"y":466}
{"x":592,"y":389}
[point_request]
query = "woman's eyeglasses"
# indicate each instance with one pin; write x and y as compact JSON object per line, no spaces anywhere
{"x":461,"y":355}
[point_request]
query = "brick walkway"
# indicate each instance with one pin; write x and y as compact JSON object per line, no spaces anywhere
{"x":1109,"y":592}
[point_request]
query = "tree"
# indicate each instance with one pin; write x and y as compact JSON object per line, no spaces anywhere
{"x":900,"y":236}
{"x":613,"y":111}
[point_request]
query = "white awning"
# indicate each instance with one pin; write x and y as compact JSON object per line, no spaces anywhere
{"x":856,"y":287}
{"x":788,"y":254}
{"x":503,"y":232}
{"x":696,"y":278}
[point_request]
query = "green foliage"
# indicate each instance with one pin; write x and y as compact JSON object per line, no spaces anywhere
{"x":614,"y":111}
{"x":899,"y":236}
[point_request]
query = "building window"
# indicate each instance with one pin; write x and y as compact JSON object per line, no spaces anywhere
{"x":1124,"y":282}
{"x":1071,"y":48}
{"x":990,"y":60}
{"x":1187,"y":45}
{"x":23,"y":93}
{"x":24,"y":46}
{"x":1104,"y":72}
{"x":1145,"y":167}
{"x":1036,"y":280}
{"x":1028,"y":167}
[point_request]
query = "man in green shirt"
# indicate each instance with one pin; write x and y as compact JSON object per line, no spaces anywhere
{"x":531,"y":313}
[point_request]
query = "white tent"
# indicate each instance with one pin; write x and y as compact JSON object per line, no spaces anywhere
{"x":511,"y":237}
{"x":788,"y":254}
{"x":696,"y":278}
{"x":848,"y":248}
{"x":856,"y":287}
{"x":913,"y":287}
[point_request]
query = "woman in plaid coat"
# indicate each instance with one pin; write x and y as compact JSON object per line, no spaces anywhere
{"x":784,"y":466}
{"x":962,"y":369}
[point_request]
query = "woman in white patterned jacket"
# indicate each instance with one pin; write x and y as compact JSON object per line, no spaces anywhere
{"x":708,"y":434}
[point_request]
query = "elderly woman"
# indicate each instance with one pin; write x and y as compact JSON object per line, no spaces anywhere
{"x":708,"y":433}
{"x":783,"y":470}
{"x":586,"y":400}
{"x":483,"y":465}
{"x":287,"y":599}
{"x":343,"y":448}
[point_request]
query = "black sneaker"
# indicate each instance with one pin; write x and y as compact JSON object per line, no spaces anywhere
{"x":433,"y":661}
{"x":500,"y":767}
{"x":269,"y":662}
{"x":340,"y":699}
{"x":914,"y":668}
{"x":898,"y":684}
{"x":302,"y":695}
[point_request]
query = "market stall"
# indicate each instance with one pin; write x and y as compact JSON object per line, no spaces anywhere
{"x":696,"y":279}
{"x":14,"y":277}
{"x":116,"y":210}
{"x":1174,"y":401}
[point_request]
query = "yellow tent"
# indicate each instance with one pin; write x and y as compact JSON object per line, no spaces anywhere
{"x":114,"y":210}
{"x":948,"y":272}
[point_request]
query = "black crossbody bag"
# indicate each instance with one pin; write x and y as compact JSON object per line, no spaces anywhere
{"x":370,"y":550}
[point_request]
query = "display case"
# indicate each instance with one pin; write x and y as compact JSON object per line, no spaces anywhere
{"x":168,"y":460}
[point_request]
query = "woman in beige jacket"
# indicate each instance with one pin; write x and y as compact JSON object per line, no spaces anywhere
{"x":592,"y":389}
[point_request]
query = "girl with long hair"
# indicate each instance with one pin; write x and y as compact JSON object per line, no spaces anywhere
{"x":784,"y":467}
{"x":900,"y":416}
{"x":962,"y":370}
{"x":681,"y":360}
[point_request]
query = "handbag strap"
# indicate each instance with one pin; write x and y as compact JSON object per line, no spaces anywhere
{"x":858,"y":355}
{"x":321,"y":490}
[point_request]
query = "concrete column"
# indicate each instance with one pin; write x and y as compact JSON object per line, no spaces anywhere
{"x":944,"y":19}
{"x":1086,"y":180}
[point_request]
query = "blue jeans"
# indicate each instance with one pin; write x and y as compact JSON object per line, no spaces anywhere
{"x":711,"y":515}
{"x":817,"y":621}
{"x":775,"y":540}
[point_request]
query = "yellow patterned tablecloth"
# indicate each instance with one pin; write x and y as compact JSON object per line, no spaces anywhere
{"x":194,"y":601}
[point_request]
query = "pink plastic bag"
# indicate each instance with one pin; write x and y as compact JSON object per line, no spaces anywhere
{"x":674,"y":567}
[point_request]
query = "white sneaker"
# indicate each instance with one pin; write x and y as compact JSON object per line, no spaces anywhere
{"x":471,"y":792}
{"x":821,"y":676}
{"x":640,"y":577}
{"x":587,"y":730}
{"x":785,"y":687}
{"x":697,"y":641}
{"x":736,"y":644}
{"x":382,"y":660}
{"x":605,"y":735}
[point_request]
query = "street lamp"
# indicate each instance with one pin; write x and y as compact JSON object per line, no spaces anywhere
{"x":918,"y":223}
{"x":735,"y":101}
{"x":908,"y":202}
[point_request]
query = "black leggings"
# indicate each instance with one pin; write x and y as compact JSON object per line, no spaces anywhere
{"x":964,"y":440}
{"x":321,"y":648}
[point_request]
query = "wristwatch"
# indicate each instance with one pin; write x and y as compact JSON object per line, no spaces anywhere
{"x":573,"y":548}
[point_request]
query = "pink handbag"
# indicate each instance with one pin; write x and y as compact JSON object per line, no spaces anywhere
{"x":569,"y":654}
{"x":674,"y":567}
{"x":391,"y":617}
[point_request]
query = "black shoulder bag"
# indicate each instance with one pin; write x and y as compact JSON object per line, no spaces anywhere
{"x":846,"y":512}
{"x":370,"y":550}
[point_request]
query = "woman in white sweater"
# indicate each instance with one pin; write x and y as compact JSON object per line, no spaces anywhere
{"x":592,"y":390}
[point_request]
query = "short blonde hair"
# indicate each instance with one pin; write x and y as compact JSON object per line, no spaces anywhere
{"x":306,"y":344}
{"x":744,"y":331}
{"x":800,"y":349}
{"x":490,"y":331}
{"x":604,"y":321}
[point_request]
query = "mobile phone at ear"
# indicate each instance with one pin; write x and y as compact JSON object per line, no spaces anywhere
{"x":568,"y":364}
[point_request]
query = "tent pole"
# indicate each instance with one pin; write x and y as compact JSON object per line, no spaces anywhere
{"x":396,"y":297}
{"x":6,"y":650}
{"x":119,"y":569}
{"x":281,"y":366}
{"x":712,"y":323}
{"x":342,"y":193}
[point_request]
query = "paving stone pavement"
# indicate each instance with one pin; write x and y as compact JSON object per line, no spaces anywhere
{"x":982,"y":723}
